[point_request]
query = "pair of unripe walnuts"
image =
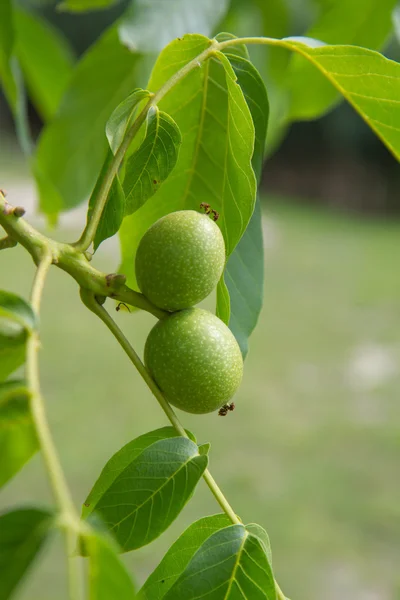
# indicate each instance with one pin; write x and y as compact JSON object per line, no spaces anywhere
{"x":191,"y":354}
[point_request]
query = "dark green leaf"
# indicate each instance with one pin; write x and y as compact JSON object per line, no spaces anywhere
{"x":85,"y":5}
{"x":16,"y":321}
{"x":118,"y":123}
{"x":339,"y":23}
{"x":148,"y":492}
{"x":244,"y":272}
{"x":153,"y":161}
{"x":108,"y":577}
{"x":46,"y":61}
{"x":72,"y":148}
{"x":179,"y":555}
{"x":214,"y":163}
{"x":22,"y":534}
{"x":120,"y":461}
{"x":230,"y":564}
{"x":150,"y":25}
{"x":18,"y":441}
{"x":114,"y":209}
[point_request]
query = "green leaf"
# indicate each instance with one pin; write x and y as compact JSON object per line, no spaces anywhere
{"x":16,"y":321}
{"x":369,"y":81}
{"x":72,"y":148}
{"x":85,"y":5}
{"x":108,"y":576}
{"x":120,"y":461}
{"x":118,"y":123}
{"x":149,"y":25}
{"x":18,"y":441}
{"x":230,"y":564}
{"x":148,"y":167}
{"x":179,"y":555}
{"x":22,"y":534}
{"x":214,"y":163}
{"x":260,"y":533}
{"x":148,"y":492}
{"x":11,"y":76}
{"x":46,"y":61}
{"x":13,"y":308}
{"x":114,"y":209}
{"x":339,"y":23}
{"x":244,"y":272}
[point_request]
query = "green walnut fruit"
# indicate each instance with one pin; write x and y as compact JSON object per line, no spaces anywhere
{"x":195,"y":360}
{"x":180,"y":260}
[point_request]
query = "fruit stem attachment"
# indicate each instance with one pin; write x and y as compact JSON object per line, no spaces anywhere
{"x":53,"y":466}
{"x":90,"y":301}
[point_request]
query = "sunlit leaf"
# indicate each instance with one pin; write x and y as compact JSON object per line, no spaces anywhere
{"x":244,"y":272}
{"x":153,"y":161}
{"x":179,"y":555}
{"x":72,"y":148}
{"x":118,"y":123}
{"x":338,"y":23}
{"x":46,"y":61}
{"x":369,"y":81}
{"x":85,"y":5}
{"x":230,"y":564}
{"x":108,"y":576}
{"x":214,"y":163}
{"x":22,"y":534}
{"x":18,"y":441}
{"x":144,"y":487}
{"x":150,"y":25}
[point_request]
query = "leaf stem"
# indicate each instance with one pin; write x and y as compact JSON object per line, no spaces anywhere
{"x":90,"y":301}
{"x":55,"y":473}
{"x":100,"y":200}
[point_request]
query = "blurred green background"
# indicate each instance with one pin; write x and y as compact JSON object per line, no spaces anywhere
{"x":312,"y":450}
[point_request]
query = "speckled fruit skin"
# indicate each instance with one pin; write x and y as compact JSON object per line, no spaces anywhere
{"x":180,"y":260}
{"x":195,"y":360}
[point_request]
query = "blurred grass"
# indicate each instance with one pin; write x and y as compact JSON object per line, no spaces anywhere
{"x":312,"y":450}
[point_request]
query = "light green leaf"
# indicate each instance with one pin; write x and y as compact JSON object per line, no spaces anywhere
{"x":149,"y":492}
{"x":179,"y":555}
{"x":118,"y":123}
{"x":214,"y":163}
{"x":108,"y":576}
{"x":18,"y":441}
{"x":149,"y":25}
{"x":46,"y":61}
{"x":369,"y":81}
{"x":22,"y":534}
{"x":148,"y":167}
{"x":114,"y":209}
{"x":236,"y":567}
{"x":85,"y":5}
{"x":72,"y":148}
{"x":244,"y":272}
{"x":339,"y":23}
